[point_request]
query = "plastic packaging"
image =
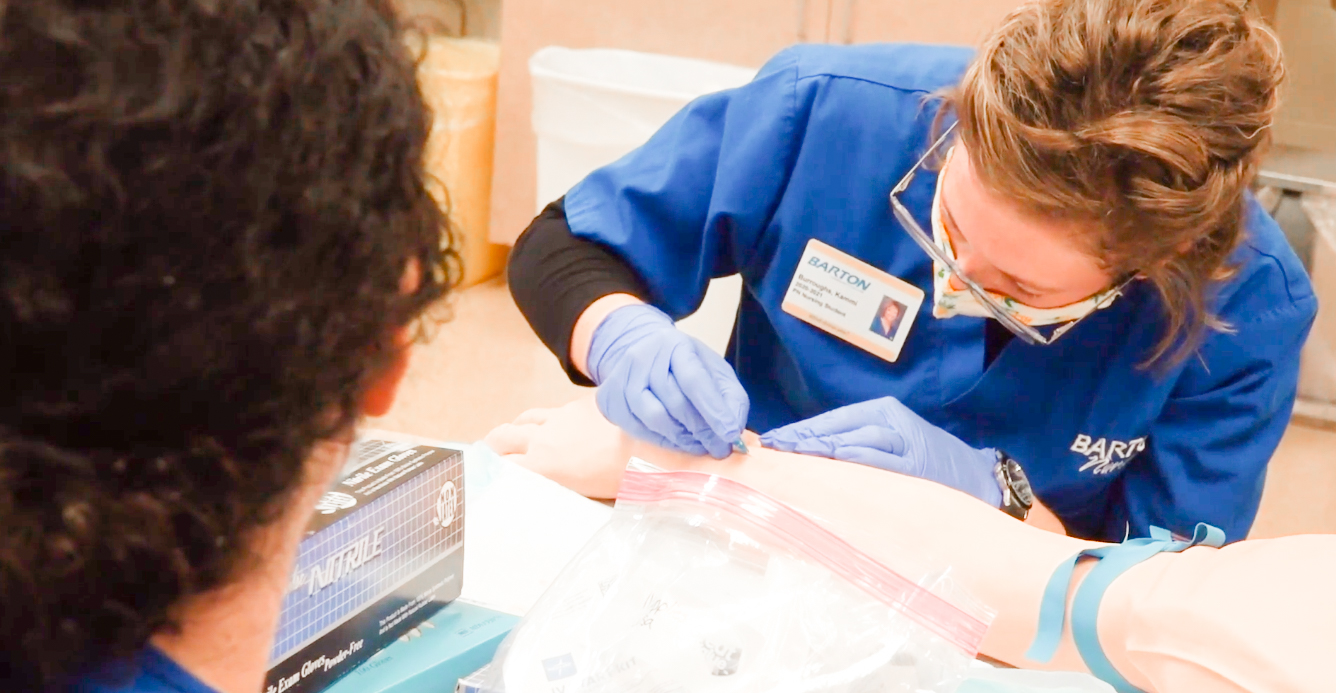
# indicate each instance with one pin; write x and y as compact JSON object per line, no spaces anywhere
{"x":700,"y":584}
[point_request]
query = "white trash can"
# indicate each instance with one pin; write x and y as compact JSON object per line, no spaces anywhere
{"x":592,"y":106}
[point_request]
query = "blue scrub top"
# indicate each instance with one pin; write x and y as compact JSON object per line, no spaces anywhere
{"x":739,"y":181}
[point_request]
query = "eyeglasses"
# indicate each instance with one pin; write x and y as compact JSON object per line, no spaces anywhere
{"x":925,"y":241}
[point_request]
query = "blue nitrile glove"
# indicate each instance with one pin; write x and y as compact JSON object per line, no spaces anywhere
{"x":661,"y":385}
{"x":884,"y":433}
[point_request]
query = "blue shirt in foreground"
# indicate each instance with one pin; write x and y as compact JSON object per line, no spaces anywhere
{"x":150,"y":672}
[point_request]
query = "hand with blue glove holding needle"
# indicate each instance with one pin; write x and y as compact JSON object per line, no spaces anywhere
{"x":884,"y":433}
{"x":660,"y":384}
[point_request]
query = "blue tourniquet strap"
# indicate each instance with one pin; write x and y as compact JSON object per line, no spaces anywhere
{"x":1113,"y":560}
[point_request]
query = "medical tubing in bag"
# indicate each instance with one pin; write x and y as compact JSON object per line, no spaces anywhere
{"x":939,"y":616}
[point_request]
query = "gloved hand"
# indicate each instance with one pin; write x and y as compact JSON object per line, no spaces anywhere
{"x":664,"y":386}
{"x":884,"y":433}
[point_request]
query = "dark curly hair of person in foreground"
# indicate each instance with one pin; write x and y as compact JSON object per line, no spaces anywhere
{"x":208,"y":209}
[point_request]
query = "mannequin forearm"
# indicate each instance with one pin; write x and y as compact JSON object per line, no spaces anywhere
{"x":1254,"y":616}
{"x":889,"y":514}
{"x":1205,"y":619}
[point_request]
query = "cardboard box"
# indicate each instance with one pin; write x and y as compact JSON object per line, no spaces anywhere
{"x":384,"y":552}
{"x":460,"y":639}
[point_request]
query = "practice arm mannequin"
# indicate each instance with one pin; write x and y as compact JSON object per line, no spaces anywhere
{"x":1254,"y":616}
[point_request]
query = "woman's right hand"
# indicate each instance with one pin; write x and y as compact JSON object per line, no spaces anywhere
{"x":663,"y":386}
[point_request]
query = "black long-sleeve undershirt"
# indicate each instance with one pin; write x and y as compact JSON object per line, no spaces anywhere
{"x":554,"y":276}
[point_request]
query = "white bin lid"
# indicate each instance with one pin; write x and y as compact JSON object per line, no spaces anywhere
{"x":635,"y":73}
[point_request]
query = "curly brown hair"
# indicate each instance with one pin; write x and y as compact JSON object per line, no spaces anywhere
{"x":1144,"y":120}
{"x":208,"y":209}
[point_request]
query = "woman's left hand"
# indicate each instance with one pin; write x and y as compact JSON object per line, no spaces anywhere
{"x":884,"y":433}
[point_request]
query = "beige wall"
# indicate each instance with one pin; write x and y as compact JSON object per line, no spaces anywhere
{"x":1307,"y":30}
{"x":474,"y":18}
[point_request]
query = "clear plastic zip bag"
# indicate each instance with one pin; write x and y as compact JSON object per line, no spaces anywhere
{"x":700,"y":584}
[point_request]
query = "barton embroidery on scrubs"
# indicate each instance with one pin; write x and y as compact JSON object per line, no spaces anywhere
{"x":1106,"y":456}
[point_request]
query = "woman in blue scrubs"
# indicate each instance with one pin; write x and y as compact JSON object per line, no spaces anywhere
{"x":1103,"y":312}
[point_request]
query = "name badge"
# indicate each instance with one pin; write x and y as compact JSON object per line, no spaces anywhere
{"x":850,"y":299}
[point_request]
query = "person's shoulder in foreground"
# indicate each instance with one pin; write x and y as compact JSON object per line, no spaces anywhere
{"x":150,"y":672}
